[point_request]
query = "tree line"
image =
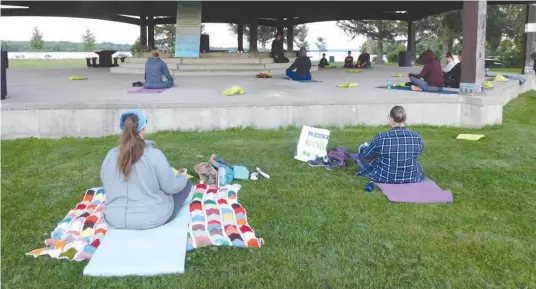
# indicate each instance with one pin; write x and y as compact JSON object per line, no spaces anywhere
{"x":37,"y":44}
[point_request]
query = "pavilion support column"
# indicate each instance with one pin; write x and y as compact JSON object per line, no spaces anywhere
{"x":290,"y":38}
{"x":530,"y":38}
{"x":412,"y":45}
{"x":150,"y":32}
{"x":474,"y":46}
{"x":240,"y":35}
{"x":253,"y":37}
{"x":143,"y":33}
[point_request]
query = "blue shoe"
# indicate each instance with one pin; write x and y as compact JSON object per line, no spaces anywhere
{"x":319,"y":162}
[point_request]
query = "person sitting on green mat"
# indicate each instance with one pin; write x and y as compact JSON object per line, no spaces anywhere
{"x":363,"y":61}
{"x":302,"y":65}
{"x":142,"y":192}
{"x":349,"y":60}
{"x":430,"y":79}
{"x":392,"y":156}
{"x":155,"y":69}
{"x":453,"y":77}
{"x":323,"y":62}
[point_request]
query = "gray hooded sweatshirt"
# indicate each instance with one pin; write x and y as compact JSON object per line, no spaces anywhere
{"x":145,"y":200}
{"x":155,"y":68}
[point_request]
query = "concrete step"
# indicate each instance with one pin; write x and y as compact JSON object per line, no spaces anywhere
{"x":214,"y":66}
{"x":174,"y":72}
{"x":218,"y":54}
{"x":211,"y":60}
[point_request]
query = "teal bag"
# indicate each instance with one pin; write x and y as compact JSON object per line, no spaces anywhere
{"x":240,"y":173}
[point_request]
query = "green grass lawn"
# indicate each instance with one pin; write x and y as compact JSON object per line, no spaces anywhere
{"x":321,"y":229}
{"x":33,"y":63}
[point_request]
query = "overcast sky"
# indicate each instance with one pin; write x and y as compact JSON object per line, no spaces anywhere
{"x":71,"y":29}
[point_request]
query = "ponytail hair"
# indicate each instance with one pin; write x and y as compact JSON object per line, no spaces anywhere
{"x":131,"y":147}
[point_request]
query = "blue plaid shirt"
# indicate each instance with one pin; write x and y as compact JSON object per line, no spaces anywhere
{"x":394,"y":156}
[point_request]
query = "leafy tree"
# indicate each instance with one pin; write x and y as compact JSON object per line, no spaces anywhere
{"x":321,"y":45}
{"x":300,"y":34}
{"x":264,"y":33}
{"x":37,"y":43}
{"x":378,"y":30}
{"x":88,"y":39}
{"x":135,"y":47}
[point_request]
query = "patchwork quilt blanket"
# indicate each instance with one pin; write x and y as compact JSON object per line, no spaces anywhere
{"x":216,"y":219}
{"x":80,"y":233}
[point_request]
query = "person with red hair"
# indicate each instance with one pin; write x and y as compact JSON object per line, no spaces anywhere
{"x":431,"y":77}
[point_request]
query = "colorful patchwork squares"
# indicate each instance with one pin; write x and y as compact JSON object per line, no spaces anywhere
{"x":80,"y":233}
{"x":217,"y":219}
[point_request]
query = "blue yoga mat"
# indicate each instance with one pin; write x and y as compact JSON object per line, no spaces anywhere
{"x":444,"y":91}
{"x":161,"y":250}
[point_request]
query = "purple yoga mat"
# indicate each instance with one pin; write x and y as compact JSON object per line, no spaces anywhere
{"x":426,"y":191}
{"x":142,"y":90}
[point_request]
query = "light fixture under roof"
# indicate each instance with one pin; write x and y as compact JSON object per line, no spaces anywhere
{"x":13,"y":7}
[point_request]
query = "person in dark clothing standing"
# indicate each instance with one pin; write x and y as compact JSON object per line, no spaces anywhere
{"x":323,"y":62}
{"x":453,"y":77}
{"x":277,"y":50}
{"x":302,"y":65}
{"x":431,"y":78}
{"x":533,"y":56}
{"x":363,"y":61}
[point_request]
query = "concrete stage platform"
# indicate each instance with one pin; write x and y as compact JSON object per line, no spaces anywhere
{"x":44,"y":103}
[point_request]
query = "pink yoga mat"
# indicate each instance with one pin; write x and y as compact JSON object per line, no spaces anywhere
{"x":426,"y":191}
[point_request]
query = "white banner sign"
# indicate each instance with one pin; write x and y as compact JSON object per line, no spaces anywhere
{"x":313,"y":143}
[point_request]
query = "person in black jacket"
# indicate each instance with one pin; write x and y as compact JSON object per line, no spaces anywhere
{"x":277,"y":50}
{"x":533,"y":56}
{"x":454,"y":76}
{"x":323,"y":62}
{"x":363,"y":61}
{"x":302,"y":65}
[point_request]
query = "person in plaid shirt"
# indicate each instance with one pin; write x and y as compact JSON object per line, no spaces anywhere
{"x":392,"y":156}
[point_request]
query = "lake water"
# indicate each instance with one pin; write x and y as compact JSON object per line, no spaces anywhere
{"x":315,"y":56}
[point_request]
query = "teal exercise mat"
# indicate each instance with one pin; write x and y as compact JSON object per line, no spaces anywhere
{"x":407,"y":88}
{"x":156,"y":251}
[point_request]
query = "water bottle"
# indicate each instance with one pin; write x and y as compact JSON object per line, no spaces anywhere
{"x":370,"y":187}
{"x":222,"y":174}
{"x":389,"y":84}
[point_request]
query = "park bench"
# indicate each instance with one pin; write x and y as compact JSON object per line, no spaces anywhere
{"x":91,"y":61}
{"x":117,"y":57}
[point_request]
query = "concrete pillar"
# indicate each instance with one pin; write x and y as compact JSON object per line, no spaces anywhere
{"x":412,"y":45}
{"x":240,"y":35}
{"x":290,"y":38}
{"x":253,"y":37}
{"x":150,"y":32}
{"x":143,"y":33}
{"x":530,"y":38}
{"x":474,"y":46}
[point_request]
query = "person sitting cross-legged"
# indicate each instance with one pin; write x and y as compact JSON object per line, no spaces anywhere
{"x":323,"y":62}
{"x":431,"y":78}
{"x":155,"y":70}
{"x":392,"y":156}
{"x":302,"y":65}
{"x":349,"y":60}
{"x":363,"y":61}
{"x":453,"y":77}
{"x":142,"y":192}
{"x":278,"y":54}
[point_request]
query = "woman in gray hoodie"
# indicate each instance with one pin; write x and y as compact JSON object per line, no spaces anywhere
{"x":142,"y":192}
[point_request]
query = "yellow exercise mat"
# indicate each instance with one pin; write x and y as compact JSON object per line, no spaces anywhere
{"x":354,"y":70}
{"x":488,"y":85}
{"x":233,"y":90}
{"x":470,"y":136}
{"x":348,"y":85}
{"x":401,"y":84}
{"x":77,"y":78}
{"x":398,"y":75}
{"x":182,"y":172}
{"x":500,"y":78}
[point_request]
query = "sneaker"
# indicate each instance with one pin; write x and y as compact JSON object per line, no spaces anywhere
{"x":332,"y":164}
{"x":254,"y":176}
{"x":263,"y":173}
{"x":319,"y":162}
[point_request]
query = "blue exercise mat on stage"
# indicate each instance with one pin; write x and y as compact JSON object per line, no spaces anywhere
{"x":407,"y":88}
{"x":161,"y":250}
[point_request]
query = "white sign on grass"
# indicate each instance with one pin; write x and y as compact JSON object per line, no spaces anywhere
{"x":313,"y":143}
